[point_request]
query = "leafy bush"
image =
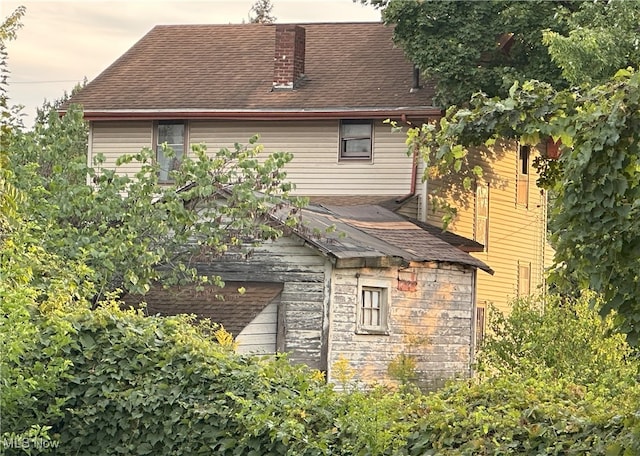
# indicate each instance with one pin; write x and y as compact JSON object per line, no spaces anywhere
{"x":509,"y":415}
{"x":129,"y":384}
{"x":557,"y":338}
{"x":554,"y":379}
{"x":142,"y":385}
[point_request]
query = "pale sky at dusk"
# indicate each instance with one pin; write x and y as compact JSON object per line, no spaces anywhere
{"x":61,"y":42}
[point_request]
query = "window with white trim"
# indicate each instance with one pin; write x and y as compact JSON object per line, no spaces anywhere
{"x":356,"y":140}
{"x":373,"y":309}
{"x":169,"y":147}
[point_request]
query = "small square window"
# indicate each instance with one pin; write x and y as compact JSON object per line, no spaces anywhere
{"x":356,"y":139}
{"x":172,"y":134}
{"x":373,"y":307}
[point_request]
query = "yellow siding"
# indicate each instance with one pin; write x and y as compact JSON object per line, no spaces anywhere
{"x":516,"y":233}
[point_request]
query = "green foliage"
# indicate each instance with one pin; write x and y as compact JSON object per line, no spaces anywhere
{"x":554,"y":338}
{"x":403,"y":370}
{"x":602,"y":39}
{"x":130,"y":230}
{"x":9,"y":196}
{"x":509,"y":415}
{"x":468,"y":47}
{"x":122,"y":371}
{"x":553,"y":380}
{"x":486,"y":46}
{"x":596,"y":182}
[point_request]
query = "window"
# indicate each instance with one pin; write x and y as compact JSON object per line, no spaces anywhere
{"x":373,"y":307}
{"x":524,"y":278}
{"x":522,"y":189}
{"x":172,"y":133}
{"x":480,"y":325}
{"x":481,"y":229}
{"x":356,"y":139}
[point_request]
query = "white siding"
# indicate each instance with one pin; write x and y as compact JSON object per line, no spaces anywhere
{"x":259,"y":336}
{"x":315,"y":168}
{"x":114,"y":139}
{"x":430,"y":320}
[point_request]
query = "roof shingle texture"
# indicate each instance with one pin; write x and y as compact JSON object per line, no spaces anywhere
{"x":372,"y":231}
{"x":226,"y":306}
{"x":210,"y":68}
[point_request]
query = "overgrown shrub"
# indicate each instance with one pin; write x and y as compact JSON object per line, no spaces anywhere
{"x":143,"y":385}
{"x":134,"y":385}
{"x":556,"y":338}
{"x":554,"y":379}
{"x":508,"y":415}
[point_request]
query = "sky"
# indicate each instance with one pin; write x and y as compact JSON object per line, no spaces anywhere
{"x":62,"y":42}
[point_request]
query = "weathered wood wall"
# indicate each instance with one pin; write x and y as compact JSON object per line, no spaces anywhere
{"x":431,"y":322}
{"x":302,"y":307}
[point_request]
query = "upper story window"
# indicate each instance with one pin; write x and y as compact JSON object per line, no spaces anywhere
{"x":356,"y":139}
{"x":522,"y":183}
{"x":171,"y":132}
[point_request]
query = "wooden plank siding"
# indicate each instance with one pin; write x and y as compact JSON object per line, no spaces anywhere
{"x":259,"y":336}
{"x":432,"y":323}
{"x":302,"y":303}
{"x":516,"y":233}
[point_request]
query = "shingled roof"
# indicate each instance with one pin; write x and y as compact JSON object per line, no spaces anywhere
{"x":227,"y":71}
{"x":372,"y":236}
{"x":227,"y":306}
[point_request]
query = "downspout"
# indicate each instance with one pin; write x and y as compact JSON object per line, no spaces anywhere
{"x":474,"y":316}
{"x":414,"y":177}
{"x":414,"y":168}
{"x":424,"y":198}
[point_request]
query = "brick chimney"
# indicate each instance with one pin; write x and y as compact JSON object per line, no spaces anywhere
{"x":288,"y":63}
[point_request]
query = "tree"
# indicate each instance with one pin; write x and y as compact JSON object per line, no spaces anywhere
{"x":596,"y":182}
{"x":602,"y":38}
{"x":9,"y":197}
{"x":261,"y":12}
{"x":597,"y":179}
{"x":486,"y":46}
{"x":131,"y":231}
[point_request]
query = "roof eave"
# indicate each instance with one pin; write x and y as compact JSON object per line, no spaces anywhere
{"x":311,"y":114}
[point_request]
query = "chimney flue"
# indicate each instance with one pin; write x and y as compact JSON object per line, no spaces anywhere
{"x":288,"y":62}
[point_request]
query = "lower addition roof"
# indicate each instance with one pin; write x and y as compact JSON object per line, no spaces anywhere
{"x":372,"y":236}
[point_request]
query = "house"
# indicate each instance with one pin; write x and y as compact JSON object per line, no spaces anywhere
{"x":321,"y":91}
{"x":374,"y":288}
